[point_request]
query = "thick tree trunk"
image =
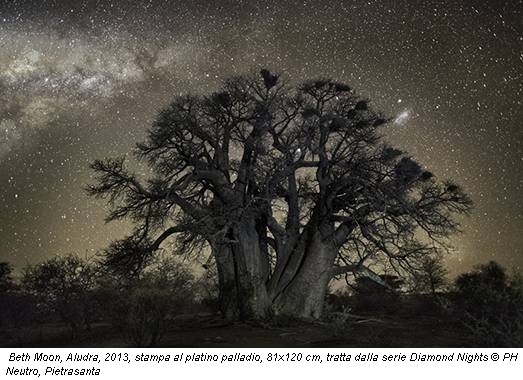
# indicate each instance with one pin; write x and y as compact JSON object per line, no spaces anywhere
{"x":303,"y":296}
{"x":243,"y":270}
{"x":228,"y":301}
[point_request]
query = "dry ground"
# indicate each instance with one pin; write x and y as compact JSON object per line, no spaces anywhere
{"x":209,"y":331}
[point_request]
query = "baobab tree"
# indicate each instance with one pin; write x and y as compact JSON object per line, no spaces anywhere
{"x":287,"y":187}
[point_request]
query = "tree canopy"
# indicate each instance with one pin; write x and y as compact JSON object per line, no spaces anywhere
{"x":288,"y":186}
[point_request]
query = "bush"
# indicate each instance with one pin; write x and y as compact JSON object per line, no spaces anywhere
{"x":65,"y":287}
{"x":375,"y":298}
{"x":206,"y":291}
{"x":337,"y":313}
{"x":338,"y":302}
{"x":18,"y":309}
{"x":6,"y":287}
{"x":490,"y":305}
{"x":142,"y":306}
{"x":6,"y":279}
{"x":148,"y":308}
{"x":415,"y":304}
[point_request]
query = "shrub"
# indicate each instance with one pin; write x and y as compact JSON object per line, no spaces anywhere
{"x":490,"y":305}
{"x":373,"y":297}
{"x":338,"y":302}
{"x":6,"y":279}
{"x":63,"y":286}
{"x":206,"y":291}
{"x":142,"y":306}
{"x":148,"y":308}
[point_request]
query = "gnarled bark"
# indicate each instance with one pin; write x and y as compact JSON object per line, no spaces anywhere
{"x":243,"y":270}
{"x":302,"y":295}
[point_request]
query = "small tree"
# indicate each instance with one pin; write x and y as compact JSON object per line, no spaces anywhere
{"x":6,"y":279}
{"x":430,"y":275}
{"x":490,"y":305}
{"x":142,"y":306}
{"x":6,"y":286}
{"x":65,"y":286}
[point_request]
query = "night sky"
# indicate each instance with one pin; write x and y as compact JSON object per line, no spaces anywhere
{"x":81,"y":80}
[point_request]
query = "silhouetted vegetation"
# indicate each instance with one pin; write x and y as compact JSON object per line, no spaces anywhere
{"x":142,"y":306}
{"x":430,"y":276}
{"x":372,"y":297}
{"x":7,"y":287}
{"x":80,"y":293}
{"x":6,"y":279}
{"x":489,"y":304}
{"x":482,"y":308}
{"x":64,"y":286}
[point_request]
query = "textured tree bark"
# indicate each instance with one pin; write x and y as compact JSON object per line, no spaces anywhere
{"x":303,"y":296}
{"x":228,"y":301}
{"x":243,"y":270}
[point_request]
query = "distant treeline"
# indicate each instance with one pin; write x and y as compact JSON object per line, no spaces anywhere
{"x":487,"y":302}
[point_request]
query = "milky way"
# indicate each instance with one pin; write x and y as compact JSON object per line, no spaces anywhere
{"x":83,"y":80}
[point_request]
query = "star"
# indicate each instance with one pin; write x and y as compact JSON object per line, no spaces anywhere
{"x":83,"y":80}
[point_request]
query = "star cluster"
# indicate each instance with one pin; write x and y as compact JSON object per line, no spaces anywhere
{"x":83,"y":80}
